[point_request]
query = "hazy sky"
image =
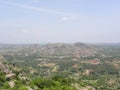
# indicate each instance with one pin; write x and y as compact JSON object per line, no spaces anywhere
{"x":38,"y":21}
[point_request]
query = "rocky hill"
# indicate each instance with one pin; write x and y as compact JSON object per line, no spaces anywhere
{"x":76,"y":50}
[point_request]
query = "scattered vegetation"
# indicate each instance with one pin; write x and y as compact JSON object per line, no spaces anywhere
{"x":54,"y":67}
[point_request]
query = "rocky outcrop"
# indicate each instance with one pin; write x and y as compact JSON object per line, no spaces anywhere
{"x":3,"y":65}
{"x":11,"y":84}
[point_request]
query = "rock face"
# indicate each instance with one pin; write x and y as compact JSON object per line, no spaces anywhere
{"x":3,"y":66}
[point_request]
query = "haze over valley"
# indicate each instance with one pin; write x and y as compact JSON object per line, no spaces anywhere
{"x":59,"y":45}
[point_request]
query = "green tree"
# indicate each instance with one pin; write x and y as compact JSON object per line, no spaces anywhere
{"x":2,"y":78}
{"x":22,"y":88}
